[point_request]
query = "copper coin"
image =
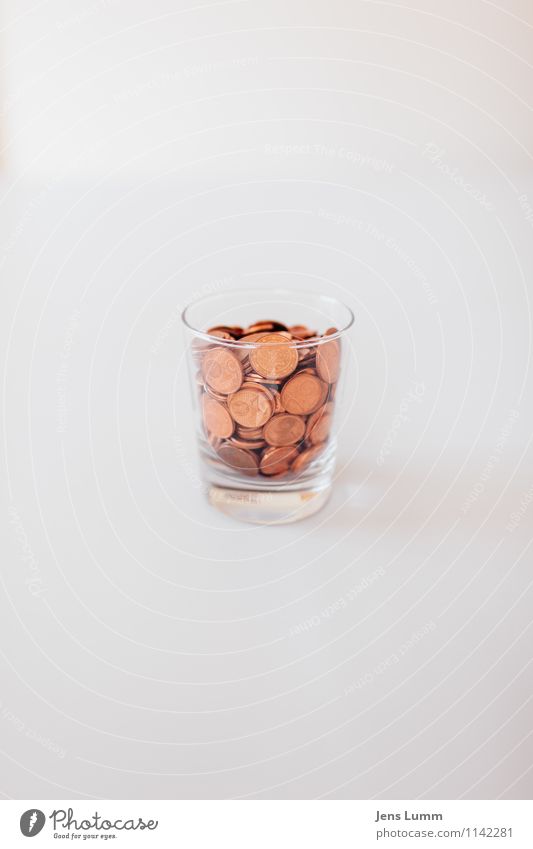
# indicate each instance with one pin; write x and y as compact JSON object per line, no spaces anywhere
{"x":277,"y":461}
{"x":320,"y":432}
{"x":300,"y":331}
{"x":328,"y":360}
{"x":274,"y":356}
{"x":258,"y":378}
{"x":216,"y":395}
{"x":250,"y":432}
{"x":217,"y":420}
{"x":278,"y":406}
{"x":222,"y":370}
{"x":260,"y":327}
{"x":315,"y":417}
{"x":261,"y":387}
{"x":319,"y":425}
{"x":330,"y":331}
{"x":265,"y":390}
{"x":266,"y":383}
{"x":250,"y":406}
{"x":267,"y":327}
{"x":303,"y":369}
{"x":224,"y":331}
{"x":251,"y":337}
{"x":284,"y":429}
{"x":217,"y":327}
{"x":239,"y":459}
{"x":304,"y":393}
{"x":249,"y":444}
{"x":243,"y":352}
{"x":305,"y":458}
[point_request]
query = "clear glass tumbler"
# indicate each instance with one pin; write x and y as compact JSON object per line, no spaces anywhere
{"x":266,"y":369}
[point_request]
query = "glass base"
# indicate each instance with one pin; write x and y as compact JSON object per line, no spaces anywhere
{"x":268,"y":507}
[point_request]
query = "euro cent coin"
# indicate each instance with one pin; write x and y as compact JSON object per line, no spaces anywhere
{"x":328,"y":359}
{"x":277,"y":461}
{"x":305,"y":458}
{"x":303,"y":394}
{"x":319,"y":425}
{"x":222,"y":371}
{"x":284,"y":429}
{"x":217,"y":420}
{"x":251,"y":406}
{"x":239,"y":459}
{"x":274,"y":356}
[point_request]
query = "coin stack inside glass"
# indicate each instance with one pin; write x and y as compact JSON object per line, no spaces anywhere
{"x":267,"y":409}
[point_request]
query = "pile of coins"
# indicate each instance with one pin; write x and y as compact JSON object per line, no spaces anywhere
{"x":267,"y":409}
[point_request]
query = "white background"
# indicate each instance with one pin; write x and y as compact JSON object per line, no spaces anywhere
{"x":152,"y":153}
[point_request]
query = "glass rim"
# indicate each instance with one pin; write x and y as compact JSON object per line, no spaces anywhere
{"x":303,"y":343}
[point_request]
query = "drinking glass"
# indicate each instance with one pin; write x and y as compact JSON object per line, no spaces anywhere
{"x":267,"y":368}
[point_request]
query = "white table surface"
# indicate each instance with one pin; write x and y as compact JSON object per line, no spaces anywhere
{"x":152,"y":647}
